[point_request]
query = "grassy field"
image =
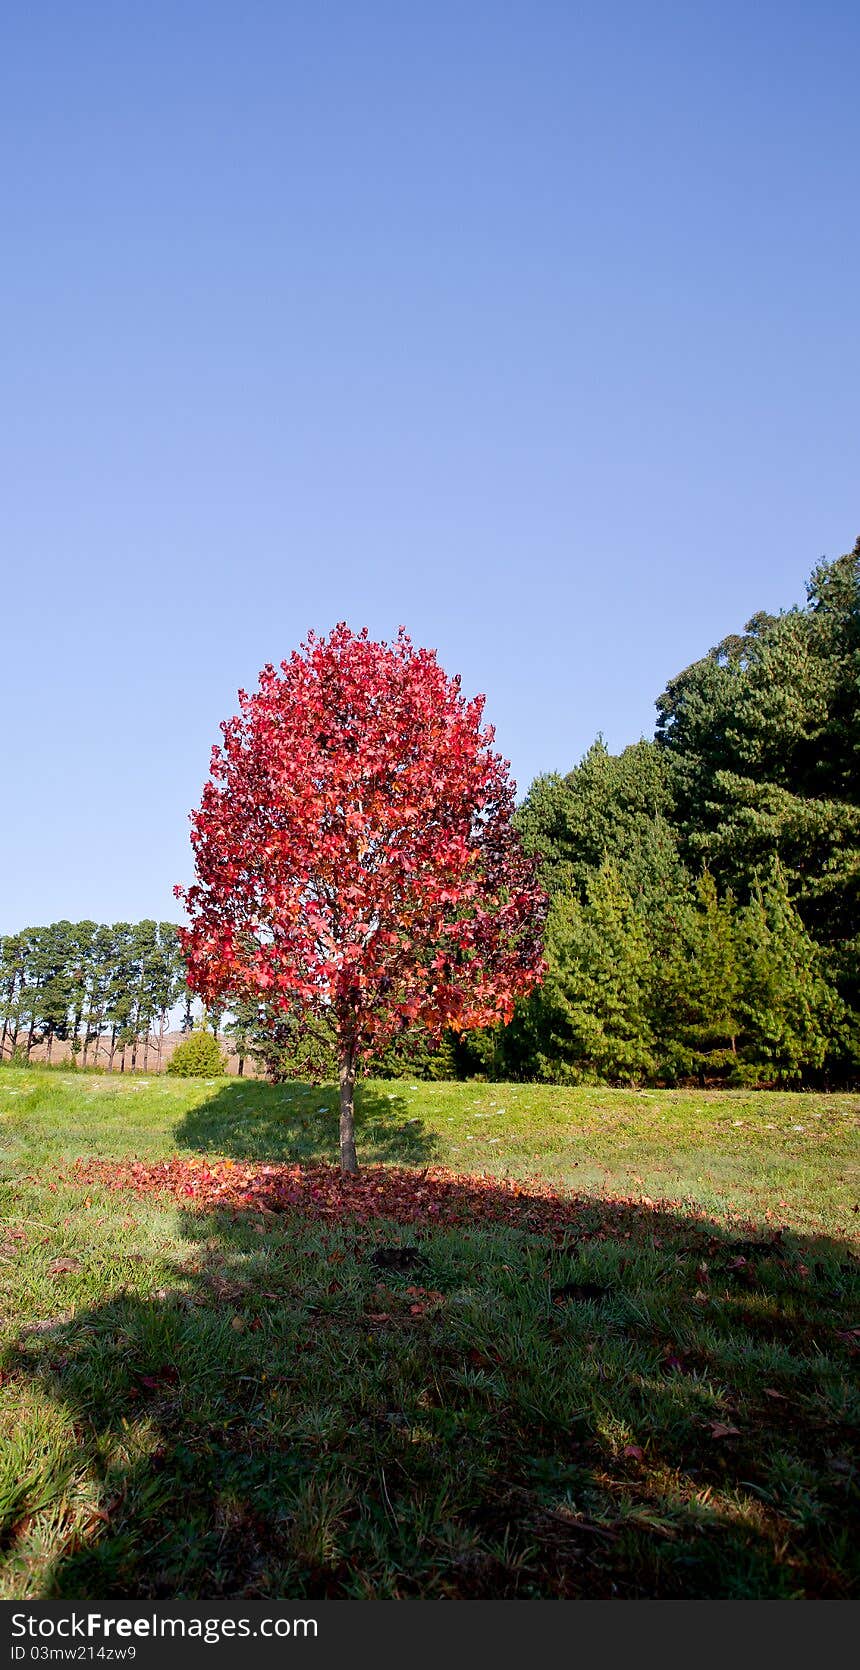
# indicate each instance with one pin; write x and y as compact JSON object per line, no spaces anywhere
{"x":623,"y":1363}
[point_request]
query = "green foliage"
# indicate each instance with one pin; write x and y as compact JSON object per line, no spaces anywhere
{"x":88,"y":986}
{"x":591,"y":1016}
{"x":285,"y":1044}
{"x":415,"y":1055}
{"x":292,"y":1045}
{"x":794,"y":1017}
{"x":611,"y":807}
{"x":705,"y":921}
{"x":696,"y":983}
{"x":199,"y":1056}
{"x":762,"y":738}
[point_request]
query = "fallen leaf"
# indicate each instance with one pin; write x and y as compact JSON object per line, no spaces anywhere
{"x":64,"y":1266}
{"x":95,"y":1516}
{"x":721,"y":1429}
{"x":634,"y":1452}
{"x":168,"y":1375}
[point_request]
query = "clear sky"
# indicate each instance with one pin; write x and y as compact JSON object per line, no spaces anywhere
{"x":531,"y":326}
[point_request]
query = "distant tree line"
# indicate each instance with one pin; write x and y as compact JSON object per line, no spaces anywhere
{"x":104,"y":991}
{"x":704,"y":921}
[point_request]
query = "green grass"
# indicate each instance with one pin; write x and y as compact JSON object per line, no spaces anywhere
{"x":196,"y":1403}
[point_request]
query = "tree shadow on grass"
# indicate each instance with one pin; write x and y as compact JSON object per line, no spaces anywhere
{"x":543,"y":1397}
{"x":252,"y":1120}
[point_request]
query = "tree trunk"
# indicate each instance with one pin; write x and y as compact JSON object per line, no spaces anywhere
{"x":348,"y":1159}
{"x":97,"y":1034}
{"x":241,"y":1065}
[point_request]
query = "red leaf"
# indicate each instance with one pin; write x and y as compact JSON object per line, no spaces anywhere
{"x":357,"y":805}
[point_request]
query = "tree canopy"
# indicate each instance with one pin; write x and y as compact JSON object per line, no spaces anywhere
{"x":356,"y":856}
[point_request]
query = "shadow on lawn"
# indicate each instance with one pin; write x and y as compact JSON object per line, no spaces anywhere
{"x":251,"y":1120}
{"x":532,"y":1406}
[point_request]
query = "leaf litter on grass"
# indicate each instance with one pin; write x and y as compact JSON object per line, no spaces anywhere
{"x":433,"y":1196}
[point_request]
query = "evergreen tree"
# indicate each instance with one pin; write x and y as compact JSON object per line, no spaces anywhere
{"x":102,"y":951}
{"x":80,"y":952}
{"x":54,"y":955}
{"x":614,"y":807}
{"x":122,"y":991}
{"x":696,"y":985}
{"x":13,"y":967}
{"x":590,"y":1018}
{"x":167,"y":980}
{"x":794,"y":1019}
{"x":763,"y":742}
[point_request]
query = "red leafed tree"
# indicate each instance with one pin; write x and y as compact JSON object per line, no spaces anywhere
{"x":355,"y":854}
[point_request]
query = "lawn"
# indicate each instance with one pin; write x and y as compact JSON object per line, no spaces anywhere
{"x":551,"y":1343}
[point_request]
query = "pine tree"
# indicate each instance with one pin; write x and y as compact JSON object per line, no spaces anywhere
{"x":762,"y":737}
{"x":54,"y":958}
{"x":81,"y":937}
{"x":591,"y":1014}
{"x":793,"y":1017}
{"x":101,"y":958}
{"x":121,"y":992}
{"x":696,"y":986}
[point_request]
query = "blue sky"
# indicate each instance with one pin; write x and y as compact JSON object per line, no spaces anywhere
{"x":533,"y":327}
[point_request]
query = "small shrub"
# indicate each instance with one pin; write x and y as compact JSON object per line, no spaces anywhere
{"x":199,"y":1056}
